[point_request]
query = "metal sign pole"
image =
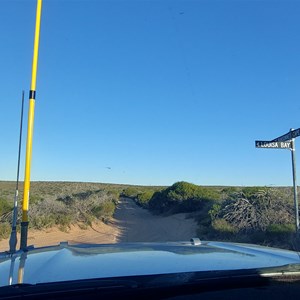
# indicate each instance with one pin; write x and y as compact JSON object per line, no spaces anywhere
{"x":286,"y":141}
{"x":293,"y":151}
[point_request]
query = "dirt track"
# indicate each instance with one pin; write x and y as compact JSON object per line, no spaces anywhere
{"x":131,"y":223}
{"x":139,"y":225}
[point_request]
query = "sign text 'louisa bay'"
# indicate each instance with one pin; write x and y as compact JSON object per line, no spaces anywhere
{"x":272,"y":144}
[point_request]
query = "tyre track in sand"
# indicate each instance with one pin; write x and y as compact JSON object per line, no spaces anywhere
{"x":136,"y":224}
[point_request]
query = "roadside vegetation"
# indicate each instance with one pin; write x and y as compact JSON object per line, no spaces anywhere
{"x":259,"y":215}
{"x":60,"y":204}
{"x":251,"y":215}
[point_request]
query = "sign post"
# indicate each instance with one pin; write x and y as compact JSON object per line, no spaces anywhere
{"x":293,"y":151}
{"x":286,"y":141}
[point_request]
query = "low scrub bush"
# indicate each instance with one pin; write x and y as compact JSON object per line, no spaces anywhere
{"x":280,"y":229}
{"x":5,"y":230}
{"x":114,"y":195}
{"x":214,"y":211}
{"x":223,"y":227}
{"x":251,"y":215}
{"x":104,"y":210}
{"x":182,"y":197}
{"x":63,"y":220}
{"x":68,"y":200}
{"x":34,"y":199}
{"x":143,"y":198}
{"x":5,"y":206}
{"x":42,"y":221}
{"x":78,"y":208}
{"x":255,"y":209}
{"x":130,"y":192}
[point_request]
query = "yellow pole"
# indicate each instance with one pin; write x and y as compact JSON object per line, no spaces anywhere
{"x":25,"y":206}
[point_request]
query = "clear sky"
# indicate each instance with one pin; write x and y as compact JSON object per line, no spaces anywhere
{"x":152,"y":92}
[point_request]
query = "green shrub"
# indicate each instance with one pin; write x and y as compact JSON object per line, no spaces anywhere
{"x":63,"y":221}
{"x":130,"y":192}
{"x":229,"y":190}
{"x":218,"y":229}
{"x":104,"y":210}
{"x":5,"y":206}
{"x":68,"y":200}
{"x":222,"y":226}
{"x":42,"y":221}
{"x":143,"y":198}
{"x":34,"y":199}
{"x":214,"y":211}
{"x":182,"y":197}
{"x":253,"y":191}
{"x":280,"y":229}
{"x":5,"y":230}
{"x":115,"y":196}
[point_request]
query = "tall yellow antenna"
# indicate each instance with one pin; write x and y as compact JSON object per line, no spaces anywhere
{"x":25,"y":206}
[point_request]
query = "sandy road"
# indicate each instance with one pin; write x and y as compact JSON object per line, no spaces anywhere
{"x":139,"y":225}
{"x":131,"y":223}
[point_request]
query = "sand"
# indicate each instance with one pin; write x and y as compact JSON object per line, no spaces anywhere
{"x":130,"y":223}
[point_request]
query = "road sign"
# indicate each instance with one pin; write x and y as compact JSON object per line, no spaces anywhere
{"x":288,"y":136}
{"x":272,"y":144}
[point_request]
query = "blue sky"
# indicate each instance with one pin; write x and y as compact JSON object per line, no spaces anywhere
{"x":158,"y":91}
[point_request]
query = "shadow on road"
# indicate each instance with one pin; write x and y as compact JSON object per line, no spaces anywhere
{"x":139,"y":225}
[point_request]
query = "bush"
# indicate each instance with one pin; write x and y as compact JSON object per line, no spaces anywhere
{"x":182,"y":197}
{"x":223,"y":227}
{"x":214,"y":211}
{"x":143,"y":198}
{"x":115,"y":195}
{"x":253,"y":192}
{"x":229,"y":190}
{"x":81,"y":207}
{"x":34,"y":199}
{"x":5,"y":206}
{"x":130,"y":192}
{"x":63,"y":222}
{"x":5,"y":230}
{"x":261,"y":208}
{"x":62,"y":219}
{"x":104,"y":210}
{"x":42,"y":221}
{"x":68,"y":200}
{"x":280,"y":229}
